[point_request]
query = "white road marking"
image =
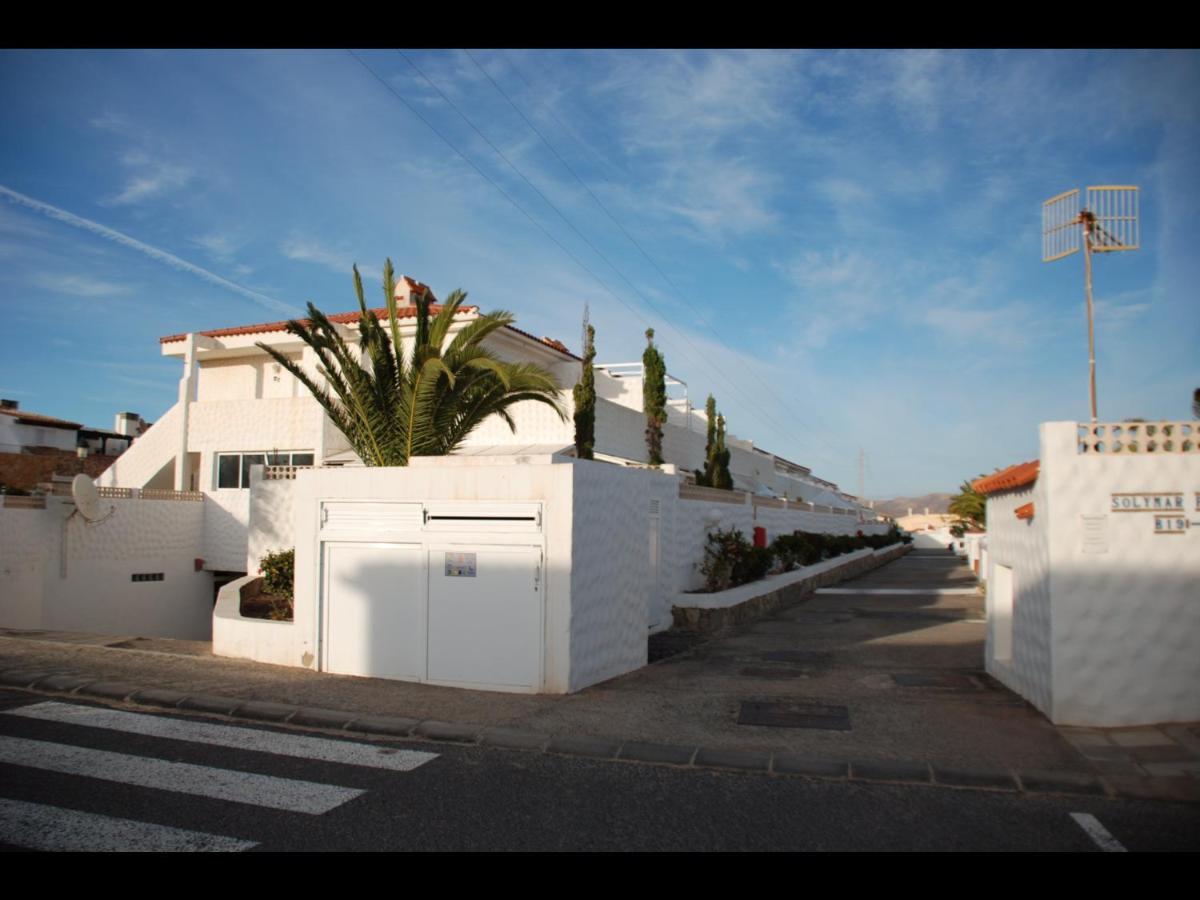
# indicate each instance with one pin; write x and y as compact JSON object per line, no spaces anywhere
{"x":184,"y":778}
{"x":37,"y":827}
{"x":1098,"y":833}
{"x":296,"y":745}
{"x":904,"y":591}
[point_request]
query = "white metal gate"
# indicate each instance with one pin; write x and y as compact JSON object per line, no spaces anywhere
{"x":449,"y":593}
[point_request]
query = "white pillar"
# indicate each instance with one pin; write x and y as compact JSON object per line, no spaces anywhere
{"x":187,"y":386}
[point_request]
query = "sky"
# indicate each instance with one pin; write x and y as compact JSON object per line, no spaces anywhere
{"x":843,"y":247}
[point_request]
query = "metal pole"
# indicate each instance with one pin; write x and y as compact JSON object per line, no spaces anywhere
{"x":1089,"y":221}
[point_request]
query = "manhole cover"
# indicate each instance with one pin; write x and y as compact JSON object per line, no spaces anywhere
{"x":794,"y":715}
{"x":940,"y":615}
{"x":944,"y":680}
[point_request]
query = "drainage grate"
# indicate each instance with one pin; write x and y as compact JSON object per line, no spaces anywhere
{"x":794,"y":715}
{"x":943,"y":614}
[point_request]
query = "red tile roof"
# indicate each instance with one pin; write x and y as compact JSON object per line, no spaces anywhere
{"x":1008,"y":479}
{"x":347,"y":318}
{"x":351,"y":318}
{"x":30,"y":418}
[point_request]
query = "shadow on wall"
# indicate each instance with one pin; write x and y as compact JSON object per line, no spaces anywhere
{"x":1107,"y":645}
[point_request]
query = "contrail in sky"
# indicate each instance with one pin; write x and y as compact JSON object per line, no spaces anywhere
{"x":145,"y":249}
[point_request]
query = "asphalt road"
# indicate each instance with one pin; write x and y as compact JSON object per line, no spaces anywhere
{"x":86,"y":776}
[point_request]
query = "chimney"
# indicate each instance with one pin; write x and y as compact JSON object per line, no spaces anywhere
{"x":408,"y":290}
{"x":9,"y":404}
{"x":127,"y":423}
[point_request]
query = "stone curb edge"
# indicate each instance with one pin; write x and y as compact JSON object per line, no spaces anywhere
{"x":1179,"y":789}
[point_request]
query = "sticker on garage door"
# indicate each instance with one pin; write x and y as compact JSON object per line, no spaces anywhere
{"x":460,"y":565}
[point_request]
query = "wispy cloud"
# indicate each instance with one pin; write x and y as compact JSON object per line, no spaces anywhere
{"x":152,"y":178}
{"x":162,"y":256}
{"x":78,"y":286}
{"x":335,"y":258}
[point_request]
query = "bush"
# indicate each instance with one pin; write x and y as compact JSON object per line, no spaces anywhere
{"x":730,"y":560}
{"x":792,"y":550}
{"x":279,"y":580}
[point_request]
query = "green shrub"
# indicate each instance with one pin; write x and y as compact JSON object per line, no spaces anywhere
{"x":730,"y":559}
{"x":279,"y":573}
{"x":753,"y":565}
{"x":792,"y":550}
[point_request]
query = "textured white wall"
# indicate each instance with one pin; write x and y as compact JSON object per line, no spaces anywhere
{"x":611,"y":579}
{"x":1126,"y":623}
{"x":1022,"y":545}
{"x":536,"y":423}
{"x":97,"y":593}
{"x":226,"y":520}
{"x":262,"y":640}
{"x":1106,"y":632}
{"x":269,"y":517}
{"x":27,"y":537}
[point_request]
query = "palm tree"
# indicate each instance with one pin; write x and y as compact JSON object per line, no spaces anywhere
{"x":970,"y":506}
{"x":392,"y":405}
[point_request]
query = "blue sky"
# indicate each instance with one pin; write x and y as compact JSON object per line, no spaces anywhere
{"x":843,"y":247}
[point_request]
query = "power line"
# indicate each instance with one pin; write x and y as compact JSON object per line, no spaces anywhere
{"x":754,"y":406}
{"x":679,"y":293}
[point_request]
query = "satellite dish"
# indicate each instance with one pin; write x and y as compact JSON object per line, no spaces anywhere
{"x":87,"y":498}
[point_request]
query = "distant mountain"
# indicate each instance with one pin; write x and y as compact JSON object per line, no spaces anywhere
{"x":937,"y":503}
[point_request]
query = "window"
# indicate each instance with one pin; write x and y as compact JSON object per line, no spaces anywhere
{"x":233,"y":469}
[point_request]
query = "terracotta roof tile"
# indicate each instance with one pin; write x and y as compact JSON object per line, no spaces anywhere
{"x":1024,"y":512}
{"x":1008,"y":479}
{"x":351,"y":318}
{"x":347,"y":318}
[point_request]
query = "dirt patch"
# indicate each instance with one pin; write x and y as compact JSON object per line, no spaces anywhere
{"x":267,"y":606}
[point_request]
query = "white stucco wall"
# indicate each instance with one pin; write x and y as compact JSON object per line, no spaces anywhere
{"x":147,"y":455}
{"x":537,"y":423}
{"x":614,"y":589}
{"x":439,"y":479}
{"x":96,"y":593}
{"x":270,"y":517}
{"x":1106,"y":624}
{"x":1023,"y":546}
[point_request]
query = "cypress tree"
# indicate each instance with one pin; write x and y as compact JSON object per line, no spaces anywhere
{"x":707,"y":476}
{"x":654,"y":398}
{"x":722,"y":478}
{"x":585,"y":400}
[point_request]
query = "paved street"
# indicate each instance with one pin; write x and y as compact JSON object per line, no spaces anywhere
{"x":858,"y":717}
{"x":83,"y":777}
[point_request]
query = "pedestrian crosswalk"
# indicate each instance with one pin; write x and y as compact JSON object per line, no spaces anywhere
{"x":39,"y":826}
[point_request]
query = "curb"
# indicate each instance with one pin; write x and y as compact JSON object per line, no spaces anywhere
{"x":1180,"y":789}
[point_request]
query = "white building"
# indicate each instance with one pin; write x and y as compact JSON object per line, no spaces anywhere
{"x":1093,"y":567}
{"x":20,"y":429}
{"x":238,"y":408}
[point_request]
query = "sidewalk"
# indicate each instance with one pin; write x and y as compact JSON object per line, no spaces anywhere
{"x":878,"y":679}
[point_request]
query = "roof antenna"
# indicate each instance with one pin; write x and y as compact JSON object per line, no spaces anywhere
{"x":1109,"y":223}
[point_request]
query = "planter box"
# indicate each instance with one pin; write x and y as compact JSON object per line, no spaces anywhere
{"x":747,"y":602}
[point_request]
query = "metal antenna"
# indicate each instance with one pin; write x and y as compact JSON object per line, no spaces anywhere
{"x":1109,"y":223}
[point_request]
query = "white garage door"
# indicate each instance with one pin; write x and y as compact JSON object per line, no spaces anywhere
{"x":374,"y":610}
{"x":485,"y":615}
